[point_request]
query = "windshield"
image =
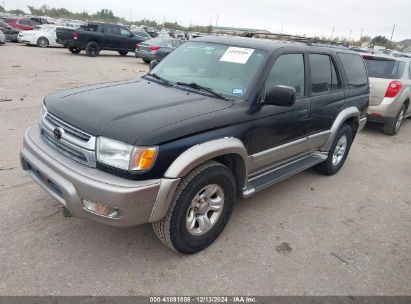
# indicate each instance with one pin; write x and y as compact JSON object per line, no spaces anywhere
{"x":226,"y":70}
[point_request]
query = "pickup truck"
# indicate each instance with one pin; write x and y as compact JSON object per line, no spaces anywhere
{"x":219,"y":118}
{"x":95,"y":37}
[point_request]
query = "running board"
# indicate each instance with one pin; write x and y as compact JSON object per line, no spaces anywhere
{"x":277,"y":174}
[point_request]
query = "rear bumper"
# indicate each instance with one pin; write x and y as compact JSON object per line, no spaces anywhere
{"x":144,"y":55}
{"x":70,"y":182}
{"x":385,"y":111}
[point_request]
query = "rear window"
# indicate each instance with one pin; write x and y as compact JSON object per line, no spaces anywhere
{"x":384,"y":68}
{"x":354,"y":69}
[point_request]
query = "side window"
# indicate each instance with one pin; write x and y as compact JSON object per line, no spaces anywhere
{"x":321,"y":73}
{"x":125,"y":32}
{"x":288,"y":70}
{"x":113,"y":30}
{"x":401,"y":68}
{"x":354,"y":69}
{"x":23,"y":22}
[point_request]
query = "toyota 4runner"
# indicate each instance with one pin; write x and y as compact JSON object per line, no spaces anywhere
{"x":218,"y":119}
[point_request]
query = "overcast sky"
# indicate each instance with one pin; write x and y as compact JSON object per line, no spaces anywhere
{"x":316,"y":17}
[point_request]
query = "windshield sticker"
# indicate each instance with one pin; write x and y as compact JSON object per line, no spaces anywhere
{"x":239,"y":92}
{"x":237,"y":55}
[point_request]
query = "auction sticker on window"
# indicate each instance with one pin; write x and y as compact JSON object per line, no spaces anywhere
{"x":237,"y":55}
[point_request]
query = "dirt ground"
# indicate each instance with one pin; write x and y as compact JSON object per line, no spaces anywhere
{"x":349,"y":234}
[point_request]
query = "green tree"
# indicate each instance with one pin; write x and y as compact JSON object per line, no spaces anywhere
{"x":2,"y":9}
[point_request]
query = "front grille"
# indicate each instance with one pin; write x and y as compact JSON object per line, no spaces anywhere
{"x":71,"y":153}
{"x":73,"y":143}
{"x":67,"y":128}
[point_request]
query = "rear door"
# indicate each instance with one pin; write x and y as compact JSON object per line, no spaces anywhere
{"x":113,"y":38}
{"x":326,"y":93}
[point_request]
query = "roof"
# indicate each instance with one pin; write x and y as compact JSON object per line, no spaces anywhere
{"x":268,"y":44}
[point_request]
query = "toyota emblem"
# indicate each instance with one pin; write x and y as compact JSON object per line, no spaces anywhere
{"x":57,"y":133}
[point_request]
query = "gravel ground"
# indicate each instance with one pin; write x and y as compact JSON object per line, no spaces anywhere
{"x":309,"y":235}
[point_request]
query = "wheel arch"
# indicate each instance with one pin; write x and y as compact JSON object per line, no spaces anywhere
{"x":231,"y":152}
{"x":351,"y":116}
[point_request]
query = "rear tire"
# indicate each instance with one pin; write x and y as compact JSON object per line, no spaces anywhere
{"x":93,"y":49}
{"x":338,"y":152}
{"x":146,"y":60}
{"x":391,"y":128}
{"x":74,"y":50}
{"x":42,"y":42}
{"x":200,"y":209}
{"x":123,"y":53}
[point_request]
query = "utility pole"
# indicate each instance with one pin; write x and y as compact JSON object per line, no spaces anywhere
{"x":392,"y":33}
{"x":332,"y":34}
{"x":349,"y":39}
{"x":131,"y":15}
{"x":216,"y":21}
{"x":361,"y":33}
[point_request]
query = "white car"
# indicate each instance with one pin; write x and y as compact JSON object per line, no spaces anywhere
{"x":43,"y":37}
{"x":2,"y":38}
{"x":163,"y":34}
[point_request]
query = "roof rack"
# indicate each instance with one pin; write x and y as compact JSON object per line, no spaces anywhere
{"x":294,"y":38}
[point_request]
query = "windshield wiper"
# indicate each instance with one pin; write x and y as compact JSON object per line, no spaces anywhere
{"x":196,"y":86}
{"x":154,"y":75}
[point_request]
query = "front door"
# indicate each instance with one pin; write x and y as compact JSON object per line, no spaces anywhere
{"x":278,"y":132}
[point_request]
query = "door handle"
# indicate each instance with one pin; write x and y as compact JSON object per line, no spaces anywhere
{"x":303,"y":113}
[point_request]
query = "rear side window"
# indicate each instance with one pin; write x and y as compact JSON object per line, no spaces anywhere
{"x":384,"y":68}
{"x":288,"y":70}
{"x":323,"y":74}
{"x":354,"y":69}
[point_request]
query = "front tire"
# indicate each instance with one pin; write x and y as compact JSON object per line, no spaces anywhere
{"x":201,"y":207}
{"x":146,"y":60}
{"x":123,"y":53}
{"x":391,"y":128}
{"x":93,"y":49}
{"x":74,"y":50}
{"x":42,"y":42}
{"x":338,"y":152}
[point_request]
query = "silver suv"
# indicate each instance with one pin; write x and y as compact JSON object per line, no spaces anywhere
{"x":390,"y":79}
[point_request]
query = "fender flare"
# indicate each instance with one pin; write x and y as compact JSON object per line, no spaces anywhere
{"x":200,"y":153}
{"x":351,"y":112}
{"x":187,"y":161}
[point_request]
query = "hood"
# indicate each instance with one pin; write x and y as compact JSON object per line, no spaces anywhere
{"x":129,"y":110}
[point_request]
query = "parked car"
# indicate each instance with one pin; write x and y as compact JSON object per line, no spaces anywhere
{"x":179,"y":34}
{"x":9,"y":32}
{"x":163,"y":34}
{"x":23,"y":24}
{"x":141,"y":34}
{"x":147,"y":50}
{"x":43,"y":37}
{"x":390,"y":79}
{"x":95,"y":37}
{"x":2,"y":38}
{"x":217,"y":119}
{"x":151,"y":31}
{"x":40,"y":20}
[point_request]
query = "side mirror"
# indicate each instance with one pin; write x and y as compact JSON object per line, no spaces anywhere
{"x":152,"y":64}
{"x":280,"y":95}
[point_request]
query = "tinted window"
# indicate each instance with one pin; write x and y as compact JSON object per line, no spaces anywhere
{"x":335,"y":80}
{"x":354,"y":69}
{"x":113,"y":30}
{"x":24,"y":22}
{"x":320,"y":73}
{"x":125,"y":32}
{"x":288,"y":70}
{"x":384,"y":68}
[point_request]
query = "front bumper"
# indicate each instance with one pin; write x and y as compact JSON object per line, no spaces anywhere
{"x":70,"y":182}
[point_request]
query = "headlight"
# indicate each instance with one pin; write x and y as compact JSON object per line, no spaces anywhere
{"x":124,"y":156}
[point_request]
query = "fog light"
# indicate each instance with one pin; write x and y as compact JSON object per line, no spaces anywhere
{"x":101,"y":210}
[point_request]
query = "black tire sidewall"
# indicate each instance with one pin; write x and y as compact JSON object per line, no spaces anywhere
{"x":89,"y":46}
{"x":391,"y":128}
{"x":344,"y":130}
{"x":181,"y":239}
{"x":74,"y":50}
{"x":40,"y":39}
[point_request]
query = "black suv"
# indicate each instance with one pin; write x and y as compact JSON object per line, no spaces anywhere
{"x":219,"y":118}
